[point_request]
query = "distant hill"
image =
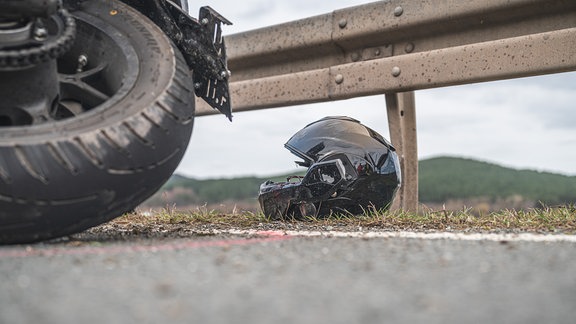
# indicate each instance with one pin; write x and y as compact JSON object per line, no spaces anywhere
{"x":440,"y":179}
{"x":446,"y":178}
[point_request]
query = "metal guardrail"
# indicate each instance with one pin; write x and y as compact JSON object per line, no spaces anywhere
{"x":393,"y":48}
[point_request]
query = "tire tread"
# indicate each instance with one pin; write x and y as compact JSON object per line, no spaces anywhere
{"x":27,"y":164}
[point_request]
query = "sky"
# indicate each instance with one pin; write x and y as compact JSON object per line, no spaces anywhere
{"x":526,"y":123}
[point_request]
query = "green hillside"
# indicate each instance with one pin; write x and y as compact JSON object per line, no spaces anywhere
{"x":440,"y":179}
{"x":448,"y":178}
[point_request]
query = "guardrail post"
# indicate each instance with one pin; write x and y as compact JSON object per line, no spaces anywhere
{"x":401,"y":109}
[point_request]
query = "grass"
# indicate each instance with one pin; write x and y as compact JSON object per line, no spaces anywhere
{"x":560,"y":219}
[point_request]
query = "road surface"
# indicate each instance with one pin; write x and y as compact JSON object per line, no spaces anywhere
{"x":271,"y":278}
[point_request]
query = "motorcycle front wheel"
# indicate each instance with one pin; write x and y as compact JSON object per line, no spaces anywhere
{"x":120,"y":128}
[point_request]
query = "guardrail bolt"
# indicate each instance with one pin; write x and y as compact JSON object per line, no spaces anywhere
{"x":398,"y":11}
{"x":409,"y":48}
{"x":342,"y":23}
{"x":396,"y":71}
{"x":339,"y":79}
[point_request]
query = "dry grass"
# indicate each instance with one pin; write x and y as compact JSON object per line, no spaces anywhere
{"x":550,"y":220}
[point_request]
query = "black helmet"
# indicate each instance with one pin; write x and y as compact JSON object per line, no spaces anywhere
{"x":350,"y":168}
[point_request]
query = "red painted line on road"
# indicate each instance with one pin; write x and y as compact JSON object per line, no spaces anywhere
{"x":176,"y":246}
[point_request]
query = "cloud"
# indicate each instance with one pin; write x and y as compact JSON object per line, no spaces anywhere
{"x":525,"y":123}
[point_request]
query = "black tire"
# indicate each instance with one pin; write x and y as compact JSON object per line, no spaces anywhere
{"x":64,"y":176}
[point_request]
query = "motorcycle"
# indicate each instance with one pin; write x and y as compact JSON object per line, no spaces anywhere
{"x":97,"y":106}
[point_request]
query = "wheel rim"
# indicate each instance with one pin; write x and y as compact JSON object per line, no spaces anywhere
{"x":94,"y":74}
{"x":98,"y":76}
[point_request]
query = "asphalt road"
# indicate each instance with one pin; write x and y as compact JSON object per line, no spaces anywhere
{"x":288,"y":279}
